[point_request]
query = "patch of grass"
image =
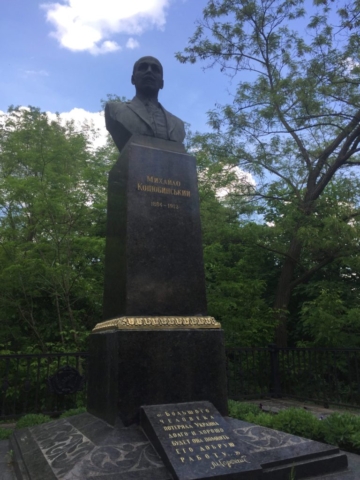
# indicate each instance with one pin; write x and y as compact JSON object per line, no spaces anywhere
{"x":292,"y":474}
{"x":73,"y":411}
{"x":298,"y":422}
{"x":240,"y":410}
{"x":343,"y":430}
{"x":5,"y":433}
{"x":10,"y":457}
{"x":31,"y":420}
{"x":262,"y":418}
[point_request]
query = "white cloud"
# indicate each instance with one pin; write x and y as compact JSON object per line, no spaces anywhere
{"x":242,"y":182}
{"x":132,"y":43}
{"x":35,"y":73}
{"x":243,"y":179}
{"x":350,"y":64}
{"x":87,"y":25}
{"x":105,"y":47}
{"x":80,"y":116}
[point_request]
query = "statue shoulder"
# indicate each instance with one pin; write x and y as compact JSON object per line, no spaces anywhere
{"x":177,"y":127}
{"x":115,"y":108}
{"x":173,"y":117}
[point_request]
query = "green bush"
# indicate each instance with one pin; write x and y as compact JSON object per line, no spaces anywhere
{"x":355,"y":438}
{"x":262,"y":418}
{"x":32,"y":419}
{"x":340,"y":429}
{"x":343,"y":430}
{"x":5,"y":433}
{"x":73,"y":411}
{"x":239,"y":410}
{"x":249,"y":412}
{"x":298,"y":422}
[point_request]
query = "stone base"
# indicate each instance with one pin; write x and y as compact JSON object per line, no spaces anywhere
{"x":84,"y":447}
{"x":128,"y":369}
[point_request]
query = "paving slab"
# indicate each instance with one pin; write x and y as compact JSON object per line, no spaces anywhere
{"x":6,"y":467}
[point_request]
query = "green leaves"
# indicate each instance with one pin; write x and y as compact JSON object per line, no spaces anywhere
{"x":294,"y":122}
{"x":52,"y":201}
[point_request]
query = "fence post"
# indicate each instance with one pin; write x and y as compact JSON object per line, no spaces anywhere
{"x":275,"y":386}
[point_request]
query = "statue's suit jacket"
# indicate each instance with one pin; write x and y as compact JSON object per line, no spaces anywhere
{"x":124,"y":119}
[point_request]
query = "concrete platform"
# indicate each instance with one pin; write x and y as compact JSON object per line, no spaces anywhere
{"x":84,"y":447}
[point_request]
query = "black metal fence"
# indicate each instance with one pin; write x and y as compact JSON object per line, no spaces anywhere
{"x":321,"y":375}
{"x":46,"y":383}
{"x":52,"y":383}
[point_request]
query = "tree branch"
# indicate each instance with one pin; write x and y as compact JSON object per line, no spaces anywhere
{"x":306,"y":276}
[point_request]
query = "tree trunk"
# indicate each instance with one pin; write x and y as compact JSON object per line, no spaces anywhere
{"x":59,"y":318}
{"x":283,"y":292}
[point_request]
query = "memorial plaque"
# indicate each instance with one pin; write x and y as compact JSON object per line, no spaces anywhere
{"x":195,"y":442}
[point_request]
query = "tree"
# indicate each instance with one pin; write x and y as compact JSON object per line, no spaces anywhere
{"x":237,"y":276}
{"x":52,"y":229}
{"x":294,"y":122}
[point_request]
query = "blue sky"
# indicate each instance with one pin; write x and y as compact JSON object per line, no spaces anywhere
{"x":70,"y":54}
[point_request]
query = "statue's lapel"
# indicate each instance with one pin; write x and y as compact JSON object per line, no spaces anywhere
{"x":139,"y":108}
{"x":169,"y":121}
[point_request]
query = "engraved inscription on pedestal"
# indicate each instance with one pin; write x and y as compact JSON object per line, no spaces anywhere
{"x":195,"y":442}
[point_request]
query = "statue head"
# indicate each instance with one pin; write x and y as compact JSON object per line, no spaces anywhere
{"x":147,"y":76}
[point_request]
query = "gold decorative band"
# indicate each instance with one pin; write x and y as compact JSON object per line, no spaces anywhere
{"x":140,"y":323}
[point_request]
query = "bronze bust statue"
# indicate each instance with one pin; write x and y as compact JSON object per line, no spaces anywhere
{"x":143,"y":115}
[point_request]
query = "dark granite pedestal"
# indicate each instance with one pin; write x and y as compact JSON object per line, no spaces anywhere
{"x":131,"y":368}
{"x":154,"y":273}
{"x":153,"y":257}
{"x":87,"y":448}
